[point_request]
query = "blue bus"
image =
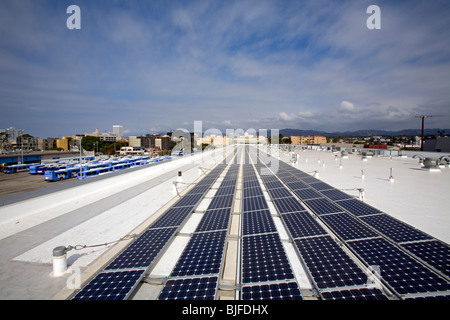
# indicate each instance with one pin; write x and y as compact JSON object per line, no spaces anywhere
{"x":93,"y":172}
{"x":16,"y":168}
{"x":62,"y":174}
{"x":37,"y":169}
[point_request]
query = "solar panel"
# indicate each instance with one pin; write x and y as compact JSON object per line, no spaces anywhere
{"x":202,"y":255}
{"x":190,"y":289}
{"x":255,"y":222}
{"x":252,"y":192}
{"x":275,"y":291}
{"x":251,"y":184}
{"x":188,"y":200}
{"x":274,"y":185}
{"x":279,"y":193}
{"x":322,"y":206}
{"x":254,"y":203}
{"x":302,"y":224}
{"x":404,"y":274}
{"x":336,"y":195}
{"x":224,"y":191}
{"x":110,"y":285}
{"x":286,"y":205}
{"x":264,"y":259}
{"x":394,"y":229}
{"x":347,"y":227}
{"x":355,"y":294}
{"x":142,"y":252}
{"x":321,"y":186}
{"x":435,"y":253}
{"x":221,"y":202}
{"x":217,"y":219}
{"x":328,"y":264}
{"x":307,"y":194}
{"x":174,"y":217}
{"x":297,"y":185}
{"x":357,"y":207}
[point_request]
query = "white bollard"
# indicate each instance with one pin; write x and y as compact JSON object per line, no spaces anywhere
{"x":59,"y":261}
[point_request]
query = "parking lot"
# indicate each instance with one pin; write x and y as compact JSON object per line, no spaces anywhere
{"x":17,"y":183}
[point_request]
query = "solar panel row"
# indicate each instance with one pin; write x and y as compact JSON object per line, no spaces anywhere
{"x":266,"y":273}
{"x":195,"y":275}
{"x":328,"y":264}
{"x":122,"y":275}
{"x":364,"y":228}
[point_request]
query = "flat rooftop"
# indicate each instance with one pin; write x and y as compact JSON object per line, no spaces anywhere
{"x":100,"y":217}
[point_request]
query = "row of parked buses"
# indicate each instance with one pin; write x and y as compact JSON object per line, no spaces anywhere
{"x":90,"y":168}
{"x":96,"y":168}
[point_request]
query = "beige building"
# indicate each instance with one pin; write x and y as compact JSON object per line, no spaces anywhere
{"x":63,"y":144}
{"x":301,"y":140}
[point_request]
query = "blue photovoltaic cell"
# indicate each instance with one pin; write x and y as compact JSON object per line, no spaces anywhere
{"x":435,"y":253}
{"x":336,"y":195}
{"x":173,"y":217}
{"x":190,"y":289}
{"x":188,"y":200}
{"x":394,"y":229}
{"x":321,"y":186}
{"x":297,"y":185}
{"x":322,"y":206}
{"x":255,"y":222}
{"x":307,"y":194}
{"x":357,"y":207}
{"x":142,"y":252}
{"x":328,"y":264}
{"x":264,"y":259}
{"x":274,"y":185}
{"x":302,"y":224}
{"x":404,"y":274}
{"x":252,"y":192}
{"x":347,"y":227}
{"x":251,"y":184}
{"x":286,"y":205}
{"x":221,"y":202}
{"x":254,"y":203}
{"x":277,"y":291}
{"x":110,"y":285}
{"x":202,"y":255}
{"x":310,"y":180}
{"x":225,"y":191}
{"x":214,"y":220}
{"x":279,"y":193}
{"x":355,"y":294}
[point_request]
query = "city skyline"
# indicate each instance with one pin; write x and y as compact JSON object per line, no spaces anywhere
{"x":154,"y":66}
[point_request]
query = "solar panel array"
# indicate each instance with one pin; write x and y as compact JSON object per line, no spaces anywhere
{"x":196,"y":273}
{"x":411,"y":263}
{"x":121,"y":276}
{"x":337,"y":238}
{"x":265,"y":269}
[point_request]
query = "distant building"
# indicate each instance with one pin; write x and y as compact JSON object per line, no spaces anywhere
{"x":118,"y":131}
{"x":440,"y":144}
{"x":107,"y":137}
{"x":63,"y":144}
{"x":47,"y":144}
{"x":301,"y":140}
{"x":132,"y":151}
{"x":13,"y":133}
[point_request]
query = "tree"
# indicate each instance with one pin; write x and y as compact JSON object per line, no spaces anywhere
{"x":88,"y":143}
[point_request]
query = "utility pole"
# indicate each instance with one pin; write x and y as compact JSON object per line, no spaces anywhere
{"x":423,"y":121}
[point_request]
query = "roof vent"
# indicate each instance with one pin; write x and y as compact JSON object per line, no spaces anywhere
{"x":431,"y":164}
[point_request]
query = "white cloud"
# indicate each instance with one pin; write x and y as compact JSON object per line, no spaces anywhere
{"x":346,"y":106}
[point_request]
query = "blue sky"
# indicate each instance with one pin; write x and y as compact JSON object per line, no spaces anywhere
{"x":159,"y":65}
